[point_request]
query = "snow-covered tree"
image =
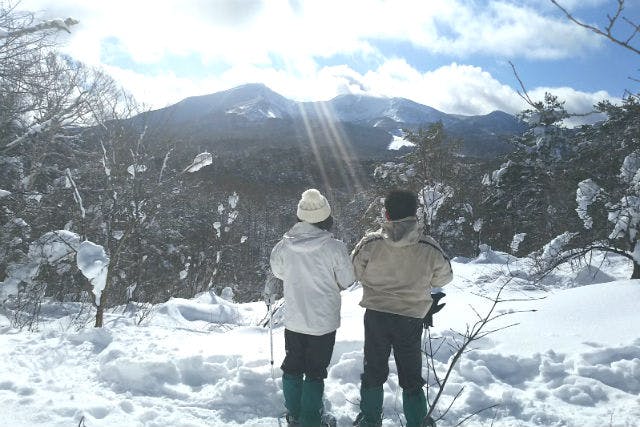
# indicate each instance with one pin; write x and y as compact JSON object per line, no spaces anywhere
{"x":530,"y":193}
{"x":73,"y":158}
{"x":447,"y":186}
{"x":572,"y":191}
{"x":40,"y":109}
{"x":607,"y":193}
{"x":606,"y":163}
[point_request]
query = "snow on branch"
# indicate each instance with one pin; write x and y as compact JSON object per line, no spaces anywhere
{"x":105,"y":161}
{"x":551,"y":250}
{"x":626,"y":217}
{"x":233,"y":200}
{"x":53,"y":24}
{"x":516,"y":241}
{"x":135,"y":169}
{"x":164,"y":165}
{"x":496,"y":175}
{"x":432,"y":198}
{"x":33,"y":130}
{"x":585,"y":195}
{"x":200,"y":161}
{"x":58,"y":120}
{"x":51,"y":248}
{"x":93,"y":262}
{"x":630,"y":170}
{"x":76,"y":194}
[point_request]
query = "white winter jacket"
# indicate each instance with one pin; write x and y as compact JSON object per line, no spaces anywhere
{"x":313,"y":267}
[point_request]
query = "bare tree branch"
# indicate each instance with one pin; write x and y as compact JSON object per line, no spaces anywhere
{"x":472,"y":334}
{"x":53,"y":24}
{"x":524,"y":94}
{"x":476,"y":413}
{"x":607,"y":32}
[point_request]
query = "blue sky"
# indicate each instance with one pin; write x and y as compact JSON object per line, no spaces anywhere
{"x":450,"y":54}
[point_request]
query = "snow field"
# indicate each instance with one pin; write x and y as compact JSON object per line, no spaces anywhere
{"x":575,"y":361}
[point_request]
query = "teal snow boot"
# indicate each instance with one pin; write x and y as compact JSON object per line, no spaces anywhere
{"x":292,"y":390}
{"x":370,"y":407}
{"x":311,"y":403}
{"x":414,"y":405}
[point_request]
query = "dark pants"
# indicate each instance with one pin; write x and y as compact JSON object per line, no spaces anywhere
{"x":384,"y":331}
{"x":307,"y":354}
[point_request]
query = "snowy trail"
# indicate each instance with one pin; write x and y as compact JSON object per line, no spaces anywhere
{"x":205,"y":362}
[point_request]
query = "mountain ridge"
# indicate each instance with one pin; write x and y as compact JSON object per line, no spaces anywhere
{"x":250,"y":110}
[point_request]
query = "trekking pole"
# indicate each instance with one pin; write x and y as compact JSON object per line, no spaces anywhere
{"x":273,"y":375}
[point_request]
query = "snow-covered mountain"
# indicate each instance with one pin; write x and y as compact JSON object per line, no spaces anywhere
{"x":252,"y":101}
{"x":374,"y":110}
{"x":261,"y":113}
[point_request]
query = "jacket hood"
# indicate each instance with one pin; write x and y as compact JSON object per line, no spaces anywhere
{"x":305,"y":237}
{"x":406,"y":231}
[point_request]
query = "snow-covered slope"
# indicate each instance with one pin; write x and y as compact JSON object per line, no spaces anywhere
{"x":253,"y":112}
{"x":254,"y":102}
{"x":575,"y":361}
{"x":370,"y":110}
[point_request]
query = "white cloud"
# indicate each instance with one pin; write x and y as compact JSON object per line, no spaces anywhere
{"x":455,"y":88}
{"x":251,"y":35}
{"x":510,"y":30}
{"x":572,"y":5}
{"x":248,"y":31}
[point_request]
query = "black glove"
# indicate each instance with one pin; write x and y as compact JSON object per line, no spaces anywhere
{"x":435,"y":307}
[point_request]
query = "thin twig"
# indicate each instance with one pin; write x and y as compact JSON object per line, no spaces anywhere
{"x":608,"y":31}
{"x":444,"y":413}
{"x":524,"y":94}
{"x":476,"y":413}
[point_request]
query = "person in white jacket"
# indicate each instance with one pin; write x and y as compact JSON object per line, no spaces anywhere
{"x":314,"y":267}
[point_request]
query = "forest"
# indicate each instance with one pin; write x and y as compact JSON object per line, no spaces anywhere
{"x":78,"y":161}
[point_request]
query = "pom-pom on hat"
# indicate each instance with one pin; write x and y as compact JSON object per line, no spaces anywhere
{"x":313,"y":207}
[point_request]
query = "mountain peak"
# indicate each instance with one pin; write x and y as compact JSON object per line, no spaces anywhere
{"x":252,"y":88}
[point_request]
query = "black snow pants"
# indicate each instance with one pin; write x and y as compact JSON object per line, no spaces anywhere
{"x":386,"y":331}
{"x":307,"y":354}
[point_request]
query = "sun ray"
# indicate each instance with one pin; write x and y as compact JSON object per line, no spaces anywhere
{"x":340,"y":146}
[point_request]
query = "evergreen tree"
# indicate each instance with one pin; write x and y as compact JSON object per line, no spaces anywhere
{"x":447,"y":185}
{"x":530,"y":193}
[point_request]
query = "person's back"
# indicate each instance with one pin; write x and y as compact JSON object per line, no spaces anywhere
{"x":397,"y":267}
{"x":309,"y":261}
{"x":313,"y":267}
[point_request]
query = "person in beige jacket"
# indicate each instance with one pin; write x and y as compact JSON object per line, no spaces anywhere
{"x":397,"y":266}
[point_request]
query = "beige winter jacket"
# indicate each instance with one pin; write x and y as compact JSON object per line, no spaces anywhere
{"x":397,"y":267}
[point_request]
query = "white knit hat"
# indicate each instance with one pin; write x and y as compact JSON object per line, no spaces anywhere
{"x":313,"y":207}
